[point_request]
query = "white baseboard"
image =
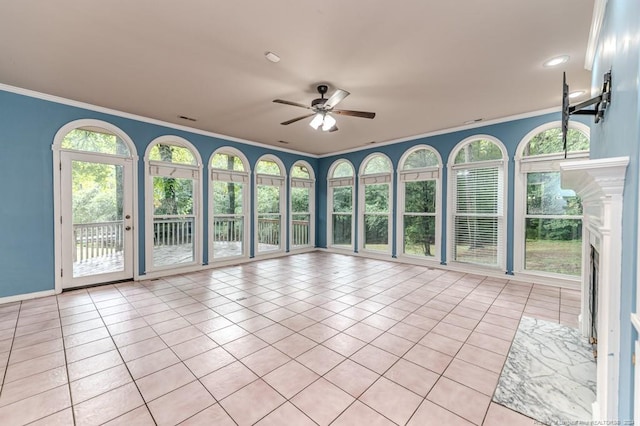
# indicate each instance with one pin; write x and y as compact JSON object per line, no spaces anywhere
{"x":26,"y":296}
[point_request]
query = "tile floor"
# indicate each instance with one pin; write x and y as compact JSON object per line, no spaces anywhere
{"x":308,"y":339}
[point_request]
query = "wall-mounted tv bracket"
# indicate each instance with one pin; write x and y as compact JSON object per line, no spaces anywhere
{"x":601,"y":103}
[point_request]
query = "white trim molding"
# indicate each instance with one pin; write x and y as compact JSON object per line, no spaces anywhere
{"x":597,"y":19}
{"x":600,"y":184}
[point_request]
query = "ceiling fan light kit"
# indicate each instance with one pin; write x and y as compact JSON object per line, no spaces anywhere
{"x":323,"y":108}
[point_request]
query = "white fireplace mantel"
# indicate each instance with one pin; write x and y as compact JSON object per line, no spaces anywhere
{"x":600,"y":185}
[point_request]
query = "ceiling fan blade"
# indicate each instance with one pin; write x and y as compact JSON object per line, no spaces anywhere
{"x":293,"y":120}
{"x":337,"y":96}
{"x":281,"y":101}
{"x":333,"y":129}
{"x":362,"y":114}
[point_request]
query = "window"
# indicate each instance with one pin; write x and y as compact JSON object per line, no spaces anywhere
{"x":477,"y":202}
{"x":375,"y":198}
{"x":548,"y":228}
{"x":302,"y":206}
{"x":419,"y":203}
{"x":228,"y":199}
{"x":172,"y":196}
{"x":340,"y":183}
{"x":270,"y":205}
{"x":95,"y":139}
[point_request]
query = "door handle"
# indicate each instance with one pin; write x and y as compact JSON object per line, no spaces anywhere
{"x":127,"y":228}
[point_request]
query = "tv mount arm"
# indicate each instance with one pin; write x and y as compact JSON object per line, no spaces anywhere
{"x":601,"y":101}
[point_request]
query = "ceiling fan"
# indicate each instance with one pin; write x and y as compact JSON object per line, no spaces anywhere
{"x":323,"y":108}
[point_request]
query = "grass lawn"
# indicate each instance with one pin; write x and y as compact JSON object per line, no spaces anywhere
{"x":561,"y":257}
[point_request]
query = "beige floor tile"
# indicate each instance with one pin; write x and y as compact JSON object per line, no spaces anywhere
{"x":286,"y":414}
{"x":412,"y":376}
{"x":499,"y":415}
{"x":214,"y":415}
{"x":430,"y":414}
{"x":320,"y":359}
{"x":61,"y":418}
{"x":36,"y":407}
{"x":209,"y":361}
{"x":99,"y":383}
{"x":351,"y":377}
{"x":227,"y":380}
{"x":180,"y":404}
{"x":252,"y":402}
{"x":164,"y":381}
{"x":459,"y":399}
{"x":23,"y":369}
{"x":374,"y":359}
{"x":89,"y":349}
{"x":290,"y":378}
{"x":392,"y":400}
{"x":470,"y":375}
{"x":428,"y":358}
{"x":193,"y":347}
{"x":265,"y":360}
{"x":33,"y":385}
{"x":322,"y":401}
{"x":359,"y":414}
{"x":294,"y":345}
{"x":107,"y":406}
{"x":92,"y":365}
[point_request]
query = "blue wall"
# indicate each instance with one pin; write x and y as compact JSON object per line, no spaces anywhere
{"x":27,"y":129}
{"x":619,"y":135}
{"x":509,"y":133}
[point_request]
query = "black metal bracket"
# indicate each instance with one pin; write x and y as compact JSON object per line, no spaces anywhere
{"x":601,"y":102}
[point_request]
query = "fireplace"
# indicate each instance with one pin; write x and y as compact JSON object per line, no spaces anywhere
{"x":600,"y":184}
{"x":594,"y":270}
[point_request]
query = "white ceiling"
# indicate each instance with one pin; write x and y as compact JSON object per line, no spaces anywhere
{"x":421,"y":65}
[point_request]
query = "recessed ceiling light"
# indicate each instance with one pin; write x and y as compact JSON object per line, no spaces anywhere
{"x":272,"y":57}
{"x":576,"y":94}
{"x":554,"y":62}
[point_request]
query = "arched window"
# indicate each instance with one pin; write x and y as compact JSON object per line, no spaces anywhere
{"x":419,"y":203}
{"x":548,"y":218}
{"x":229,"y":201}
{"x":302,"y":206}
{"x":340,"y":184}
{"x":270,"y":205}
{"x":94,"y":204}
{"x":375,"y":195}
{"x":477,"y":202}
{"x":172,"y":204}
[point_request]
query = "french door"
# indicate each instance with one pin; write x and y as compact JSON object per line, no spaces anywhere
{"x":96,"y":218}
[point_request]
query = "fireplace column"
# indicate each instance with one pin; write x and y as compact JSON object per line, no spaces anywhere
{"x":600,"y":184}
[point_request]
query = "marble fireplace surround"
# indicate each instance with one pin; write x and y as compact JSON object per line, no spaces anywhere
{"x":600,"y":185}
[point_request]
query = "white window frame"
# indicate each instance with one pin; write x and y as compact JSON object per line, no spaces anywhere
{"x":180,"y":171}
{"x":337,"y":182}
{"x":538,"y":163}
{"x":310,"y":184}
{"x":222,"y":175}
{"x":277,"y":181}
{"x":374,"y":179}
{"x":503,"y":168}
{"x":415,"y":175}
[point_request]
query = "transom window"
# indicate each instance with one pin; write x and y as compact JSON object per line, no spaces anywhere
{"x":228,"y":198}
{"x":340,"y":184}
{"x":477,"y":204}
{"x":95,"y":139}
{"x":375,"y":198}
{"x":549,"y":230}
{"x":419,"y":202}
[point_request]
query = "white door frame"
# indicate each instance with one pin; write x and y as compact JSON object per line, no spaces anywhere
{"x":56,"y":147}
{"x":66,"y":160}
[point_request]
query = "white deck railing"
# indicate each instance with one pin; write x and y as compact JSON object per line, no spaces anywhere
{"x":101,"y":239}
